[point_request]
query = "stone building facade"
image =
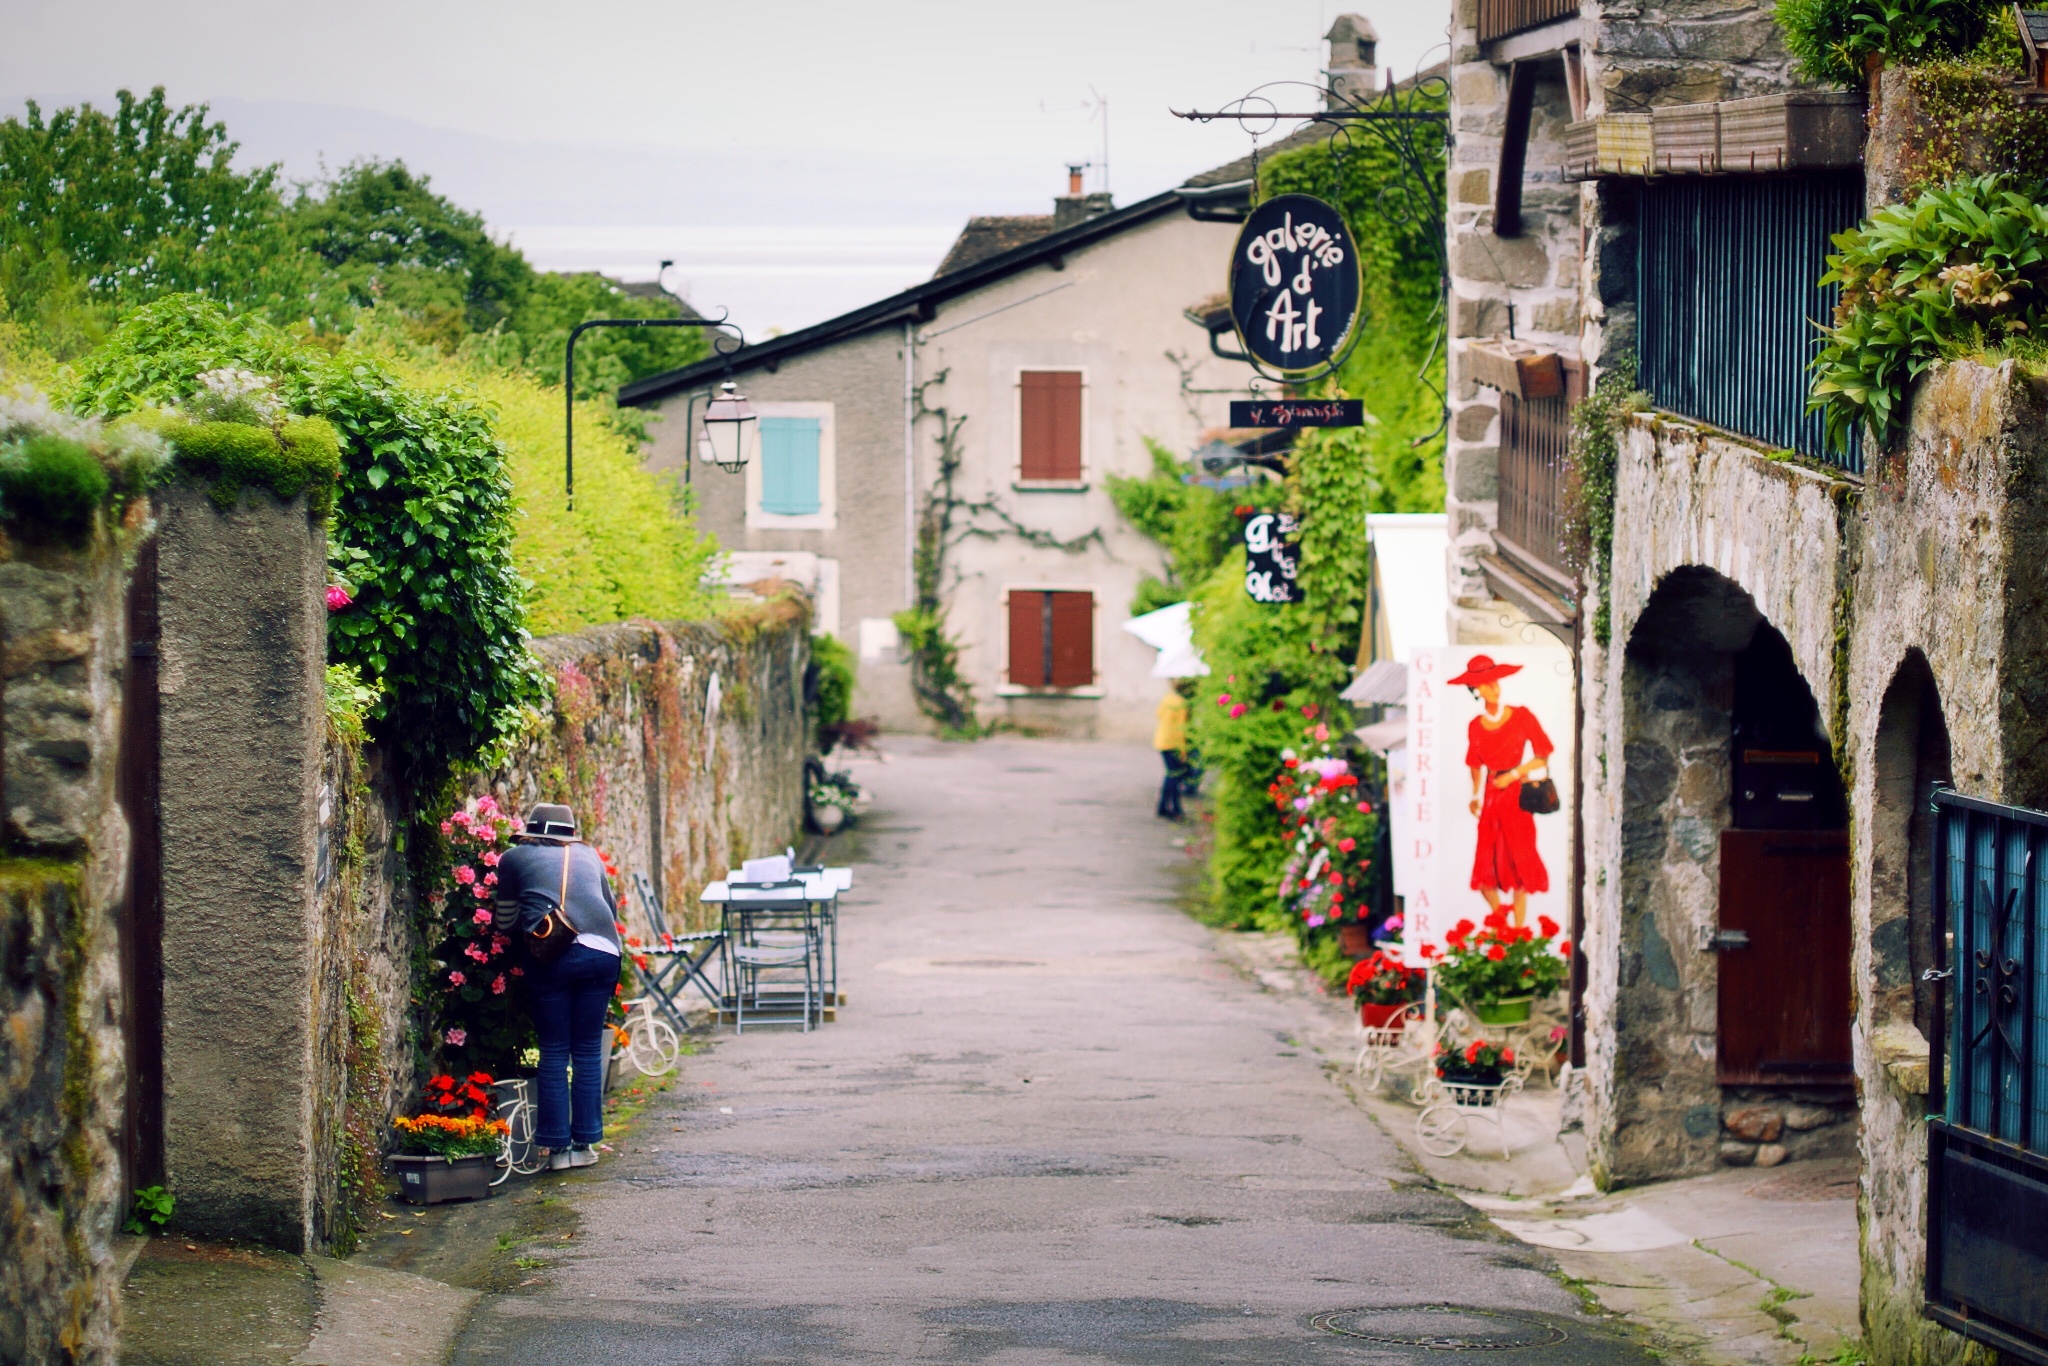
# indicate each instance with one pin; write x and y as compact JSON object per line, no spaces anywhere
{"x":1884,"y":604}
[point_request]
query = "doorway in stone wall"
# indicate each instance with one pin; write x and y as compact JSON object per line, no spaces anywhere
{"x":142,"y":910}
{"x":1911,"y":758}
{"x":1783,"y":928}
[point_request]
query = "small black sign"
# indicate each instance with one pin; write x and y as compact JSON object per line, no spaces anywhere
{"x":1270,"y":558}
{"x":1298,"y":412}
{"x":1294,"y":283}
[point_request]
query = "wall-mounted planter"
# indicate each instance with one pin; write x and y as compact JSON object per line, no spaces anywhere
{"x":1802,"y":130}
{"x":431,"y":1180}
{"x":1611,"y":144}
{"x":1686,"y":139}
{"x":1520,"y":369}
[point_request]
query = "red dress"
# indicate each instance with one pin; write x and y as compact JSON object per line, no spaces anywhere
{"x":1506,"y":858}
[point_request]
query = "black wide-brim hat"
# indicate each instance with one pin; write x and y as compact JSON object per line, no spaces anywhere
{"x":548,"y":818}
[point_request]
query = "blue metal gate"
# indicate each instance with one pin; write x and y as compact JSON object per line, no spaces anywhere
{"x":1727,"y":302}
{"x":1987,"y":1150}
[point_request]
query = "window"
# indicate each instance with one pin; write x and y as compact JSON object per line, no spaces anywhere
{"x":1052,"y":638}
{"x":1727,"y":300}
{"x":1049,"y":426}
{"x":790,"y":479}
{"x":789,"y":466}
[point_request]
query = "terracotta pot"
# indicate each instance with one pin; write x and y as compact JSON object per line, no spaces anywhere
{"x":1511,"y":1010}
{"x":1356,"y":943}
{"x":431,"y":1180}
{"x":1383,"y":1017}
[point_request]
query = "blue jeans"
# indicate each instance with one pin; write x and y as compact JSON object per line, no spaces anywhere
{"x":569,"y":1000}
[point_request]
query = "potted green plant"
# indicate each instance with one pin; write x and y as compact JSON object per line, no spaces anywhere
{"x":451,"y":1151}
{"x":1383,"y":988}
{"x":1499,"y":971}
{"x":1479,"y":1063}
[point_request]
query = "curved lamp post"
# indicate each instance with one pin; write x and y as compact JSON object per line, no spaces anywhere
{"x":730,"y":422}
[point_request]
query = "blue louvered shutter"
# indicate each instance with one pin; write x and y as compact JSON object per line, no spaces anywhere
{"x":789,"y":465}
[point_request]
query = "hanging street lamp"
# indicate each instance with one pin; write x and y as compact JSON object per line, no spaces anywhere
{"x":732,"y":430}
{"x":730,"y":423}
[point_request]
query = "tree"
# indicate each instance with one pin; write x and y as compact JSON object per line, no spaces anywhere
{"x":102,"y":211}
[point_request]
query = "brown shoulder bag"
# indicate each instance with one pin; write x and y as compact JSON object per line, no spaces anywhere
{"x":550,"y":939}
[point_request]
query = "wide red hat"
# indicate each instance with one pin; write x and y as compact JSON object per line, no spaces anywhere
{"x":1481,"y":669}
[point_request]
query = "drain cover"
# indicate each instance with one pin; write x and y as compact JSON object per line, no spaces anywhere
{"x":1440,"y":1328}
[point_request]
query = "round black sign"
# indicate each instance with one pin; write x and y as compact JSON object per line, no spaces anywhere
{"x":1294,"y":283}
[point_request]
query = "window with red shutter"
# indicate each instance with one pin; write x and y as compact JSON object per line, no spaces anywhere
{"x":1073,"y":639}
{"x":1049,"y":435}
{"x":1052,"y":639}
{"x":1028,"y":638}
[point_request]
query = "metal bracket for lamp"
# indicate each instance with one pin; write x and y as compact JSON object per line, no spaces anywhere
{"x":736,"y":413}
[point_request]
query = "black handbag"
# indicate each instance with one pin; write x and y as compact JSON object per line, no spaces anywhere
{"x":549,"y":940}
{"x":1540,"y":797}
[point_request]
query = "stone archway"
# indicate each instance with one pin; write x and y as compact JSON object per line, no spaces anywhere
{"x":1733,"y":881}
{"x":1910,"y":756}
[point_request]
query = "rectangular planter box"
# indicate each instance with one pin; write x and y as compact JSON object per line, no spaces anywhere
{"x":1686,"y":139}
{"x":1612,"y":144}
{"x":1803,"y":130}
{"x":431,"y":1180}
{"x":1518,"y":368}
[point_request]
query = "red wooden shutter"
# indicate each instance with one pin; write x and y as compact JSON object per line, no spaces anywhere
{"x":1050,"y":435}
{"x":1027,"y":639}
{"x":1073,"y":639}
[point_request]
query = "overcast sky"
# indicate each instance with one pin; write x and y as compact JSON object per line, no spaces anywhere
{"x":747,"y":141}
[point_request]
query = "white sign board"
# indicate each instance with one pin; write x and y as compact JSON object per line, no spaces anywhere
{"x":1485,"y":724}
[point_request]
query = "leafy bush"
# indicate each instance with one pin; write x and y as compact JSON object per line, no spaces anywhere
{"x":423,"y":521}
{"x":836,"y":676}
{"x":1192,"y":524}
{"x":1960,"y":269}
{"x":1590,"y":488}
{"x":57,"y":469}
{"x":1833,"y":40}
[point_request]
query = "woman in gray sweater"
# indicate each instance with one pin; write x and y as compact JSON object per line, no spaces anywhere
{"x":547,"y":868}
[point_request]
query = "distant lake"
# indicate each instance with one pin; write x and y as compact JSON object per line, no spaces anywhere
{"x":781,"y":278}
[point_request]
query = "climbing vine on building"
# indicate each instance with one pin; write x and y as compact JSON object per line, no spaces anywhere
{"x":944,"y":521}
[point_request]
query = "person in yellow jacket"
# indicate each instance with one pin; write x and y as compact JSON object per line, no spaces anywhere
{"x":1170,"y":738}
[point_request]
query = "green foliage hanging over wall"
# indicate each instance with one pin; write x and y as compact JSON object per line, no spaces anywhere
{"x":423,"y":520}
{"x":1960,"y":270}
{"x":57,"y":470}
{"x":1834,"y":40}
{"x":1589,"y":493}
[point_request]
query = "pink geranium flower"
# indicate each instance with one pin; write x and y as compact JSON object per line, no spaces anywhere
{"x":456,"y":979}
{"x":491,"y":858}
{"x":337,"y":597}
{"x":498,"y":987}
{"x":465,"y":874}
{"x":482,"y":916}
{"x":456,"y":1037}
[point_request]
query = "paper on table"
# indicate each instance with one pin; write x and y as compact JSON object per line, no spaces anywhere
{"x":774,"y":869}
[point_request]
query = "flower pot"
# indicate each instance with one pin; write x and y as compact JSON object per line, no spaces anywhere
{"x":1458,"y":1074}
{"x":431,"y":1180}
{"x":828,"y":818}
{"x":1383,"y":1017}
{"x":1510,"y":1010}
{"x":1354,"y":940}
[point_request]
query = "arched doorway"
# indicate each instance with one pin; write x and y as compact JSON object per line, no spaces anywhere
{"x":1910,"y":757}
{"x":1732,"y":1008}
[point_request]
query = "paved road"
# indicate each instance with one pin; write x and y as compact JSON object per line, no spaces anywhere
{"x":1052,"y":1125}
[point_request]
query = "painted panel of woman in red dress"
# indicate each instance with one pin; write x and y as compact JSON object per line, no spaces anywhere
{"x":1506,"y":861}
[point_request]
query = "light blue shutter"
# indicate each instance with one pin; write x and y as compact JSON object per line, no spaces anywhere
{"x":789,"y":465}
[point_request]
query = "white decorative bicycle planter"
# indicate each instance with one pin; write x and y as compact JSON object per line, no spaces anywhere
{"x":1449,"y":1107}
{"x":1404,"y":1044}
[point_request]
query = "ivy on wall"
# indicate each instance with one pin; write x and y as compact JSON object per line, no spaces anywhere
{"x":1597,"y":423}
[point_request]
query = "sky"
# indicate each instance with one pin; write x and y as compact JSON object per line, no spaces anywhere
{"x":794,"y":158}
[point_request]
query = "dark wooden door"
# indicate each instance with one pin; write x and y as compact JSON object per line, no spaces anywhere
{"x":1784,"y":957}
{"x":142,"y":918}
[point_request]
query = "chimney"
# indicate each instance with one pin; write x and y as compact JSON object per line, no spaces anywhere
{"x":1075,"y":207}
{"x":1354,"y":63}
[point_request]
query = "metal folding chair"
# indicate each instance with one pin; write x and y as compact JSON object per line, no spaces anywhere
{"x":678,"y":959}
{"x":768,"y":931}
{"x":828,"y":912}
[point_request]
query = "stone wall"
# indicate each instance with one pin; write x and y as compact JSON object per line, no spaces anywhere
{"x":1713,"y":538}
{"x":1953,"y":586}
{"x":680,"y":745}
{"x":63,"y":879}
